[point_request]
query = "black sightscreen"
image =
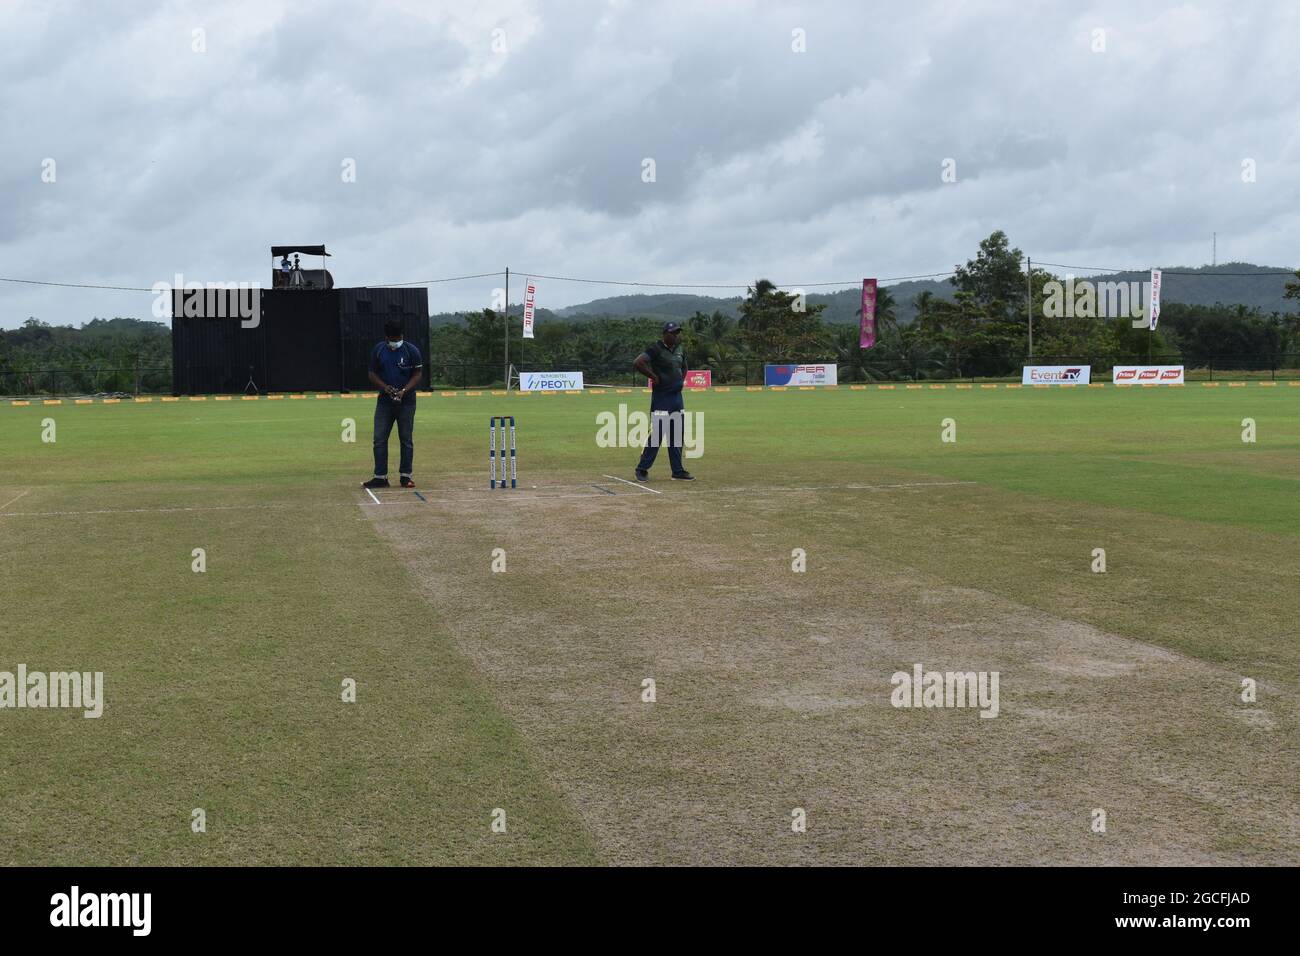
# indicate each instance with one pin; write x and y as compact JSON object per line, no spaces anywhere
{"x":302,"y":339}
{"x":217,"y":346}
{"x":364,"y":312}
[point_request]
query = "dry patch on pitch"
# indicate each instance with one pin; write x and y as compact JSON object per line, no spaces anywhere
{"x":773,"y":691}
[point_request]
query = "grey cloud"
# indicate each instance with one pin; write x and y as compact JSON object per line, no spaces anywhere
{"x":798,"y":166}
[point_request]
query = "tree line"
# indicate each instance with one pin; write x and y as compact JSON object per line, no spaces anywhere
{"x":104,"y":355}
{"x":983,"y":331}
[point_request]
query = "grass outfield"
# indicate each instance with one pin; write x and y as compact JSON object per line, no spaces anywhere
{"x":523,"y":690}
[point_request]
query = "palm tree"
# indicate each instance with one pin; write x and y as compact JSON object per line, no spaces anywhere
{"x":723,"y":359}
{"x":924,"y":303}
{"x":914,"y":354}
{"x":712,"y":341}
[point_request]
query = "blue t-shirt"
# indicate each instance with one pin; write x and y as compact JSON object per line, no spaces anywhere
{"x":396,"y":366}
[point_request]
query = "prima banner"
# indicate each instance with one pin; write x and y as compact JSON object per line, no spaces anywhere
{"x":696,"y":378}
{"x":1148,"y":375}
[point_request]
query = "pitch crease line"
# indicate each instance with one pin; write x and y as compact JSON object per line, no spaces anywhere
{"x":633,"y":484}
{"x":13,"y":499}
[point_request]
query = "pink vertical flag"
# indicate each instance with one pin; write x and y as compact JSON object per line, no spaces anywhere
{"x":867,"y":330}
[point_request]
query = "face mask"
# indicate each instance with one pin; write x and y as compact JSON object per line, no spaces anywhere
{"x":395,"y":345}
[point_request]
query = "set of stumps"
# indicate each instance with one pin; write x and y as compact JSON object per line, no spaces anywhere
{"x":496,"y":451}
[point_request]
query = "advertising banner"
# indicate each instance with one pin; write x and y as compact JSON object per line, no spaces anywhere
{"x":1155,"y":298}
{"x":530,"y":296}
{"x":867,"y":327}
{"x":1056,"y":375}
{"x":549,"y":381}
{"x":800,"y":374}
{"x":1148,"y":374}
{"x":696,"y":378}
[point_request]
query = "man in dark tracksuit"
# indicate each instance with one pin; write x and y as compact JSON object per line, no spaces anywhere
{"x":396,"y":367}
{"x":665,"y":365}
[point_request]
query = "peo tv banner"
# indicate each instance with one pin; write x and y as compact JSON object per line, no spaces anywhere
{"x":1056,"y":375}
{"x":799,"y":375}
{"x":549,"y":381}
{"x":1148,"y":375}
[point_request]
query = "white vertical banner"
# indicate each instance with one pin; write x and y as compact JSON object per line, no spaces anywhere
{"x":530,"y":295}
{"x":1155,"y":298}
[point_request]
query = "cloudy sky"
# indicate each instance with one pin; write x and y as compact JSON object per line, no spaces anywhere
{"x":804,"y":143}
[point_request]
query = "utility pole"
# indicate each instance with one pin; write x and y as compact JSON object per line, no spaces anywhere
{"x":1214,"y":254}
{"x":507,"y":376}
{"x":1029,"y":301}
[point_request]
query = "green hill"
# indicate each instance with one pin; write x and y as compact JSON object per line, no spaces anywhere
{"x":1232,"y":283}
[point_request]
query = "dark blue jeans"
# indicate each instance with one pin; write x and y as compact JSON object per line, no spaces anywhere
{"x":386,"y":413}
{"x":667,"y":427}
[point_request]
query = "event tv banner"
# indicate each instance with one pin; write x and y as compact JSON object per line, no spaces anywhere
{"x":799,"y":375}
{"x":1148,"y":374}
{"x":549,"y":381}
{"x":1056,"y":375}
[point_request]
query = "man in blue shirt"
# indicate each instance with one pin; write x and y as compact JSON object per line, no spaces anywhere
{"x":396,"y":367}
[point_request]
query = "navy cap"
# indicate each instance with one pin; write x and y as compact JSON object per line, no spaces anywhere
{"x":671,"y":327}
